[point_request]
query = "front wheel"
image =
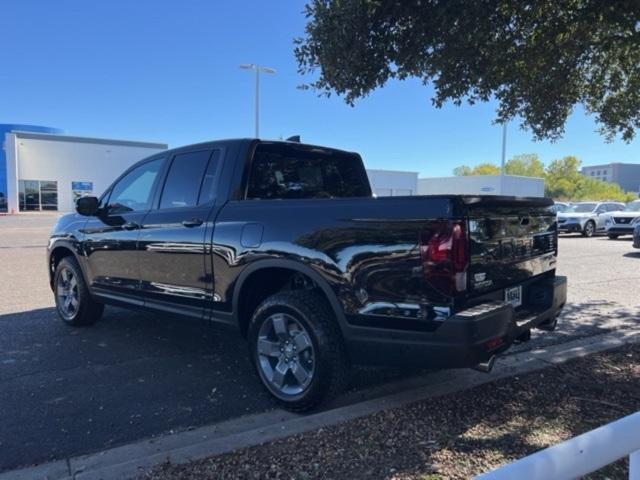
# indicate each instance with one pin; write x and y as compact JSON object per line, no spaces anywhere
{"x":73,"y":300}
{"x":297,"y":349}
{"x":589,"y":229}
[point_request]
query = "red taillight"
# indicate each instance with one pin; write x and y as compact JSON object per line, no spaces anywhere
{"x":494,"y":343}
{"x":444,"y":253}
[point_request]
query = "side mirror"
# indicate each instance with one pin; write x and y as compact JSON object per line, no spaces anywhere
{"x":87,"y":206}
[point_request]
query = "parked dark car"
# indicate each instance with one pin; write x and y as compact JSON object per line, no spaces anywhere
{"x":636,"y":236}
{"x":285,"y":243}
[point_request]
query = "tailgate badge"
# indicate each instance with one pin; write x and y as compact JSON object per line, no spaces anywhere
{"x":480,"y":280}
{"x":479,"y":277}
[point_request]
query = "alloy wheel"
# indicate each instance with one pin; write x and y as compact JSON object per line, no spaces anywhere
{"x":67,"y":293}
{"x":285,"y":354}
{"x":589,"y":229}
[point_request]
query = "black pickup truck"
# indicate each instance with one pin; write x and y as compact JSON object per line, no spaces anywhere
{"x":285,"y":243}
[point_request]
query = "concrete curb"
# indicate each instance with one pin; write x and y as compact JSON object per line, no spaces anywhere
{"x":132,"y":459}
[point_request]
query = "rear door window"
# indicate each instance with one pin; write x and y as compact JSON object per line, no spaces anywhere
{"x":297,"y":171}
{"x":184,"y":179}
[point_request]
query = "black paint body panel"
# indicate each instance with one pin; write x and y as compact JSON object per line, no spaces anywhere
{"x":363,"y":254}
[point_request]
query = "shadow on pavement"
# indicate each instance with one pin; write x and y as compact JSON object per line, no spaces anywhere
{"x":67,"y":391}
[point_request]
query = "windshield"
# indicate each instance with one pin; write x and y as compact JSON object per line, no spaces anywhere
{"x":632,"y":207}
{"x":582,"y":208}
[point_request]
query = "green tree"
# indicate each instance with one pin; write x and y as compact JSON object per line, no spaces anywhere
{"x":565,"y":167}
{"x":486,"y":169}
{"x":563,"y":181}
{"x":462,"y":171}
{"x":562,"y":178}
{"x":526,"y":165}
{"x":480,"y":169}
{"x":537,"y":58}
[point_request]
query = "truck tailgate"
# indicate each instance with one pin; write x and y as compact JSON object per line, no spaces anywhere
{"x":511,"y":240}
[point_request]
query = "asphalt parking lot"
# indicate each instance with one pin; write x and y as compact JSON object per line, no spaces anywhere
{"x":133,"y":375}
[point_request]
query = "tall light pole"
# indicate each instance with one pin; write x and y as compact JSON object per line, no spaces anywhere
{"x":257,"y":69}
{"x":504,"y":154}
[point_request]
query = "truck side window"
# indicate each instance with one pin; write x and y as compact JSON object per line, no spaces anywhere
{"x":133,"y":191}
{"x":292,"y":171}
{"x":184,"y":179}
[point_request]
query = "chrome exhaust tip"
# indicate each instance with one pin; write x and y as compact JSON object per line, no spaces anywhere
{"x":485,"y":367}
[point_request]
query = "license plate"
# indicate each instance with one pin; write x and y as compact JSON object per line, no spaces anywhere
{"x":513,"y":295}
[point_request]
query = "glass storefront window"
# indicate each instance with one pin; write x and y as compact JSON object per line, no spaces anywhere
{"x":38,"y":195}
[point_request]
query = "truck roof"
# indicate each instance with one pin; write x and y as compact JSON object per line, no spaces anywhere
{"x":248,"y":141}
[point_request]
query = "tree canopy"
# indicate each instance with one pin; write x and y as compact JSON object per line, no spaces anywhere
{"x":562,"y":178}
{"x":481,"y":169}
{"x":526,"y":165}
{"x":537,"y":58}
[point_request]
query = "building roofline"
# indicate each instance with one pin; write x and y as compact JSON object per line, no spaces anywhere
{"x":481,"y":176}
{"x":611,"y":165}
{"x":102,"y":141}
{"x":385,"y":170}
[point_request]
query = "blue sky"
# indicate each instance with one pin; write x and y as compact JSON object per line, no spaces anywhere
{"x":168,"y":71}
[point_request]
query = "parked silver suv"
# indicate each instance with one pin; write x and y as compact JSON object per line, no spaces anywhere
{"x":624,"y":221}
{"x":587,"y":218}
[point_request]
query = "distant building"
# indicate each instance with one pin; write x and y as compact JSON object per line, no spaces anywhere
{"x":510,"y":185}
{"x":393,"y":183}
{"x":627,"y":175}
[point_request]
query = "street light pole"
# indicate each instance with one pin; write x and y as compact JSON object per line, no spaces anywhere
{"x":257,"y":108}
{"x":257,"y":69}
{"x":504,"y":154}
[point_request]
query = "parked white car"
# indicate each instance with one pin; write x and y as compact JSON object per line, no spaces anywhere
{"x":587,"y":218}
{"x":624,"y":221}
{"x":560,"y":207}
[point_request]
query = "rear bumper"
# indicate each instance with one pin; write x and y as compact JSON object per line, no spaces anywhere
{"x":461,"y":341}
{"x":618,"y":230}
{"x":569,"y":227}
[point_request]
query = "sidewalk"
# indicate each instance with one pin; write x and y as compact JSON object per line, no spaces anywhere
{"x":453,"y":436}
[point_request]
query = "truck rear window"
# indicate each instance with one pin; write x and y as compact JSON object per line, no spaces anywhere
{"x":284,"y":171}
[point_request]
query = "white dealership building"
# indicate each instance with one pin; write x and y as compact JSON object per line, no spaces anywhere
{"x":41,"y":169}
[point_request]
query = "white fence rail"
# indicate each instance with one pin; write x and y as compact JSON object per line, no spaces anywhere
{"x":580,"y":455}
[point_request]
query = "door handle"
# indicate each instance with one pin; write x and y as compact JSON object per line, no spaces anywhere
{"x":194,"y":222}
{"x":131,"y":226}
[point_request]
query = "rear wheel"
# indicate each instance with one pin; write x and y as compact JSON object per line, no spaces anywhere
{"x":73,"y":300}
{"x":589,"y":229}
{"x":613,"y":236}
{"x":297,"y":349}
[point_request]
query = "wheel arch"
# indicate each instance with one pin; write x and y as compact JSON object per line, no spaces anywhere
{"x":252,"y":273}
{"x":59,"y":251}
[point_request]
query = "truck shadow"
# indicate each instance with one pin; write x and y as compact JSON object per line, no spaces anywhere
{"x":68,"y":391}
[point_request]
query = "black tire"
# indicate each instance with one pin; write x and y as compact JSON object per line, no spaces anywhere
{"x":68,"y":293}
{"x":330,"y":372}
{"x":589,"y":229}
{"x":613,"y":236}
